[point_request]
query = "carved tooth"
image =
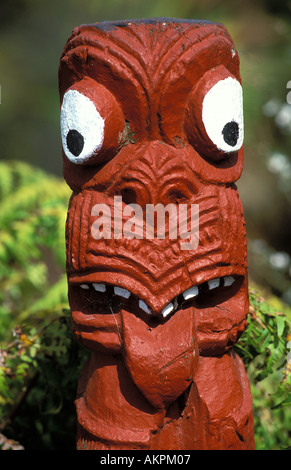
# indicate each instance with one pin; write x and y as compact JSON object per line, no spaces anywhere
{"x":99,"y":287}
{"x":228,"y":281}
{"x":213,"y":283}
{"x":168,"y":309}
{"x":192,"y":292}
{"x":121,"y":292}
{"x":144,"y":306}
{"x":84,"y":286}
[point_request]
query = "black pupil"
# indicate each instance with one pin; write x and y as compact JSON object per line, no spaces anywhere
{"x":230,"y":133}
{"x":75,"y":142}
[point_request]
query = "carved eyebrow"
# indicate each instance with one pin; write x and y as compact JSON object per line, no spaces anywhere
{"x":146,"y":65}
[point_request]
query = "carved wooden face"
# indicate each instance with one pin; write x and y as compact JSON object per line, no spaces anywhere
{"x":151,"y":112}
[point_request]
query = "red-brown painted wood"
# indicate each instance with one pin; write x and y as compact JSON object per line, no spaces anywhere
{"x":153,"y":116}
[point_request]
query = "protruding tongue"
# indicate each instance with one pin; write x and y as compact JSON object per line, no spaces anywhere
{"x":161,"y":359}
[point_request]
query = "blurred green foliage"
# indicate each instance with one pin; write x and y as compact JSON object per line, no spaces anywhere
{"x":38,"y":377}
{"x":265,"y":348}
{"x":32,"y":252}
{"x":35,"y":336}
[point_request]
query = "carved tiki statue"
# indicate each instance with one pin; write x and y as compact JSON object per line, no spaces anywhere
{"x":151,"y":117}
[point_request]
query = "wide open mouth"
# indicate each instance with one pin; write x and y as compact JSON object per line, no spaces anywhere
{"x":107,"y":299}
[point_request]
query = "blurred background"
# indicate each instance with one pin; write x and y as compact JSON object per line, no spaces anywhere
{"x":33,"y":34}
{"x":36,"y":344}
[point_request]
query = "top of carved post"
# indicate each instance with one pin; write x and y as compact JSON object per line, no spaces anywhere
{"x":152,"y":80}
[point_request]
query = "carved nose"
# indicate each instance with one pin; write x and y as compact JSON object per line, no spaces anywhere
{"x":156,"y":174}
{"x":141,"y":196}
{"x":130,"y":195}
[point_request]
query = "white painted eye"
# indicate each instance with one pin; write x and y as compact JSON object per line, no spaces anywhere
{"x":82,"y":127}
{"x":222,"y":115}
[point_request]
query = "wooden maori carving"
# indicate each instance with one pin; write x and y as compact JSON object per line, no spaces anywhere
{"x":151,"y":120}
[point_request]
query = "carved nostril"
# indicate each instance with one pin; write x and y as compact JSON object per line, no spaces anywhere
{"x":129,"y":196}
{"x":176,"y":196}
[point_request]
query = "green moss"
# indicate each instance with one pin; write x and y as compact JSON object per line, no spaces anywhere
{"x":127,"y":135}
